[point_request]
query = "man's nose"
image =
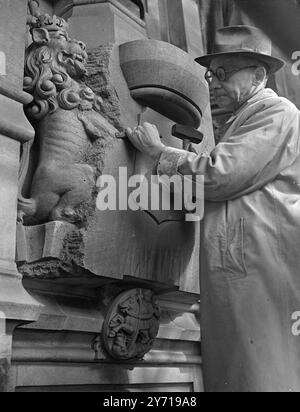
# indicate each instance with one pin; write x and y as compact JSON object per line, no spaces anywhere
{"x":215,"y":83}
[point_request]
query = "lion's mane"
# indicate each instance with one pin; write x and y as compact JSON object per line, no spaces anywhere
{"x":48,"y":81}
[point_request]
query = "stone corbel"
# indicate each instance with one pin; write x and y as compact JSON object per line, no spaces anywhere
{"x":131,"y":325}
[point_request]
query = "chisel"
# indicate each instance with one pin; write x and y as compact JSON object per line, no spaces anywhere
{"x":186,"y":133}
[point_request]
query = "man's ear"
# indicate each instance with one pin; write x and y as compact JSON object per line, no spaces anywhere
{"x":40,"y":36}
{"x":260,"y":75}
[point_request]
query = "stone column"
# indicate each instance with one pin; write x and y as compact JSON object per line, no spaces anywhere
{"x":16,"y":305}
{"x":184,"y":26}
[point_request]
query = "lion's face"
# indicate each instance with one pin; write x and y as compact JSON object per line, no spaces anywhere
{"x":54,"y":69}
{"x":71,"y":54}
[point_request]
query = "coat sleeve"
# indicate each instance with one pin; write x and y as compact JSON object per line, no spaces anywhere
{"x":263,"y":146}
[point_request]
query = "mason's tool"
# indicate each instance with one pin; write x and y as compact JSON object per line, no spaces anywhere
{"x":186,"y":133}
{"x":123,"y":135}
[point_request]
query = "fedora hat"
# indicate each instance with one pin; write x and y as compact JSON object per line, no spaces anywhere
{"x":246,"y":41}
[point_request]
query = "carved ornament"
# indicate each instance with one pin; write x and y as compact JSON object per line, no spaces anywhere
{"x":131,"y":325}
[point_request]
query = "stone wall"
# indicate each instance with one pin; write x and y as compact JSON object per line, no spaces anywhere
{"x":63,"y":352}
{"x":71,"y":274}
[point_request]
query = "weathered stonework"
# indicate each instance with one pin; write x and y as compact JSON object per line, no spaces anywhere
{"x":51,"y":251}
{"x":99,"y":80}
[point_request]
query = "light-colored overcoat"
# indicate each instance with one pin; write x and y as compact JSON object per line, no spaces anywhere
{"x":250,"y":252}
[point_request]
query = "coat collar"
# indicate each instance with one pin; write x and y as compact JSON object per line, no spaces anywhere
{"x":262,"y":94}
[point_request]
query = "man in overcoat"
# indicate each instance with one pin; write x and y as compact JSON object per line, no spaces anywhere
{"x":250,"y":249}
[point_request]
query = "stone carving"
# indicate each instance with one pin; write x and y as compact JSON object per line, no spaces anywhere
{"x":131,"y":325}
{"x":182,"y":97}
{"x":71,"y":133}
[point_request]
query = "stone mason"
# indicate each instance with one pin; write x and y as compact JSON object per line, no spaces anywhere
{"x":250,"y":284}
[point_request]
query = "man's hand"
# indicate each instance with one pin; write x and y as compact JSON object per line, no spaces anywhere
{"x":147,"y":140}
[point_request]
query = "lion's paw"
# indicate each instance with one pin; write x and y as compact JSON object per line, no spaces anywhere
{"x":67,"y":214}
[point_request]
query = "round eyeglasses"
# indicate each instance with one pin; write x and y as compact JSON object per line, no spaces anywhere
{"x":222,"y":75}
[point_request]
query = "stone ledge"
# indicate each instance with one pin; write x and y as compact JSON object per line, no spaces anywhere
{"x":12,"y":92}
{"x":55,"y":253}
{"x":13,"y":122}
{"x":86,"y":315}
{"x":15,"y":302}
{"x":72,"y":349}
{"x":41,"y":376}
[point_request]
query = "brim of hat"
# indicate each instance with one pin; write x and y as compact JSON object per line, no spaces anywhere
{"x":274,"y":63}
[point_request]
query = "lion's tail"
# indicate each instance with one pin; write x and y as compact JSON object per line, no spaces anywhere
{"x":26,"y":207}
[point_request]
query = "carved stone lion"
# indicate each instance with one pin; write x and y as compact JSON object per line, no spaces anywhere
{"x":70,"y":131}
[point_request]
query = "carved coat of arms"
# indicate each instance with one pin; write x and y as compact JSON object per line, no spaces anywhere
{"x":131,"y":325}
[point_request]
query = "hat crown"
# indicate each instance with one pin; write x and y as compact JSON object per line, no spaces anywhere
{"x":242,"y":38}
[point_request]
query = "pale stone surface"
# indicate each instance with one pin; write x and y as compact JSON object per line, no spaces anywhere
{"x":12,"y":29}
{"x":103,"y":23}
{"x":13,"y":122}
{"x":85,"y":377}
{"x":153,"y":23}
{"x":192,"y":28}
{"x":9,"y":167}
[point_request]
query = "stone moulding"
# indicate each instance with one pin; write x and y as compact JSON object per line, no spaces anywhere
{"x":65,"y":7}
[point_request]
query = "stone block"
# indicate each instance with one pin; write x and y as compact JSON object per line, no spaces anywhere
{"x":42,"y":241}
{"x":101,"y":21}
{"x":165,"y":78}
{"x":160,"y":250}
